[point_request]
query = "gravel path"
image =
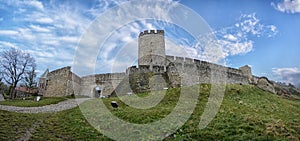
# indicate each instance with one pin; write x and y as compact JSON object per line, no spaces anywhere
{"x":64,"y":105}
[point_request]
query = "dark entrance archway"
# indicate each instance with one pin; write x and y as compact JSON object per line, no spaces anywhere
{"x":97,"y":92}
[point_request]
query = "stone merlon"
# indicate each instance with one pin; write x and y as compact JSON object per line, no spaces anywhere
{"x":160,"y":32}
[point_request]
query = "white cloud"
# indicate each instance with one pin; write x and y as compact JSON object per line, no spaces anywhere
{"x":250,"y":24}
{"x":230,"y":37}
{"x":288,"y":75}
{"x":4,"y":44}
{"x":25,"y":34}
{"x":234,"y":39}
{"x":102,"y":5}
{"x":20,"y":11}
{"x":235,"y":48}
{"x":125,"y":57}
{"x":52,"y":42}
{"x":285,"y":71}
{"x":51,"y":32}
{"x":39,"y":28}
{"x":273,"y":28}
{"x":41,"y":54}
{"x":8,"y":32}
{"x":174,"y":49}
{"x":25,"y":4}
{"x":69,"y":39}
{"x":44,"y":20}
{"x":287,"y":6}
{"x":34,"y":3}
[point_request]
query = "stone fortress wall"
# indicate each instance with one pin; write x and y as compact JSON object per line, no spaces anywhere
{"x":152,"y":63}
{"x":203,"y":70}
{"x":60,"y":82}
{"x":107,"y":82}
{"x":196,"y":72}
{"x":63,"y":82}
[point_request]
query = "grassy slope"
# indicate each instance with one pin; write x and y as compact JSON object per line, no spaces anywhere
{"x":31,"y":103}
{"x":67,"y":125}
{"x":251,"y":114}
{"x":247,"y":113}
{"x":14,"y":125}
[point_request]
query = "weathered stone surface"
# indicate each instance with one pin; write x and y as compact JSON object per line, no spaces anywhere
{"x":60,"y":82}
{"x":283,"y":92}
{"x":157,"y":82}
{"x":266,"y":85}
{"x":151,"y":48}
{"x":286,"y":90}
{"x":246,"y":70}
{"x":107,"y":82}
{"x":254,"y":80}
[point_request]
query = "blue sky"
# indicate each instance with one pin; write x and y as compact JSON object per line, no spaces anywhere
{"x":261,"y":33}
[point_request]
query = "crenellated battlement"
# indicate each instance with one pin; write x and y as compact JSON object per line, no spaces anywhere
{"x":181,"y":60}
{"x":185,"y":61}
{"x":160,"y":32}
{"x":103,"y":77}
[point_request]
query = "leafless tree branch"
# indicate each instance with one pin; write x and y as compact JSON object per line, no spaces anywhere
{"x":14,"y":65}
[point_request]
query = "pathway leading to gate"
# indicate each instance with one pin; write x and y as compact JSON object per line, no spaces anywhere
{"x":64,"y":105}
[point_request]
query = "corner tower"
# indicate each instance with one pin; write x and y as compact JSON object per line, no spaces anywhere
{"x":151,"y":48}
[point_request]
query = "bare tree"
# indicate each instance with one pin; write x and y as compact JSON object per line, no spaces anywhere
{"x":14,"y":64}
{"x":30,"y":81}
{"x":3,"y":87}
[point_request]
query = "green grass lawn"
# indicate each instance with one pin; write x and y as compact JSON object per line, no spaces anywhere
{"x":14,"y":125}
{"x":29,"y":102}
{"x":246,"y":113}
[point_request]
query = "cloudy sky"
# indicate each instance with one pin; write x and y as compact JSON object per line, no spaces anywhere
{"x":261,"y":33}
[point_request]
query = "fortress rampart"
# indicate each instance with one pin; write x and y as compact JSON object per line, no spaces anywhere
{"x":155,"y":71}
{"x":107,"y":82}
{"x":201,"y":72}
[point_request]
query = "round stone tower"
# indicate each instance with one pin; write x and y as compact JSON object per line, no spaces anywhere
{"x":151,"y":51}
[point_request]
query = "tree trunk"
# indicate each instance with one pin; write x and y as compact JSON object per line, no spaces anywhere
{"x":12,"y":93}
{"x":15,"y":93}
